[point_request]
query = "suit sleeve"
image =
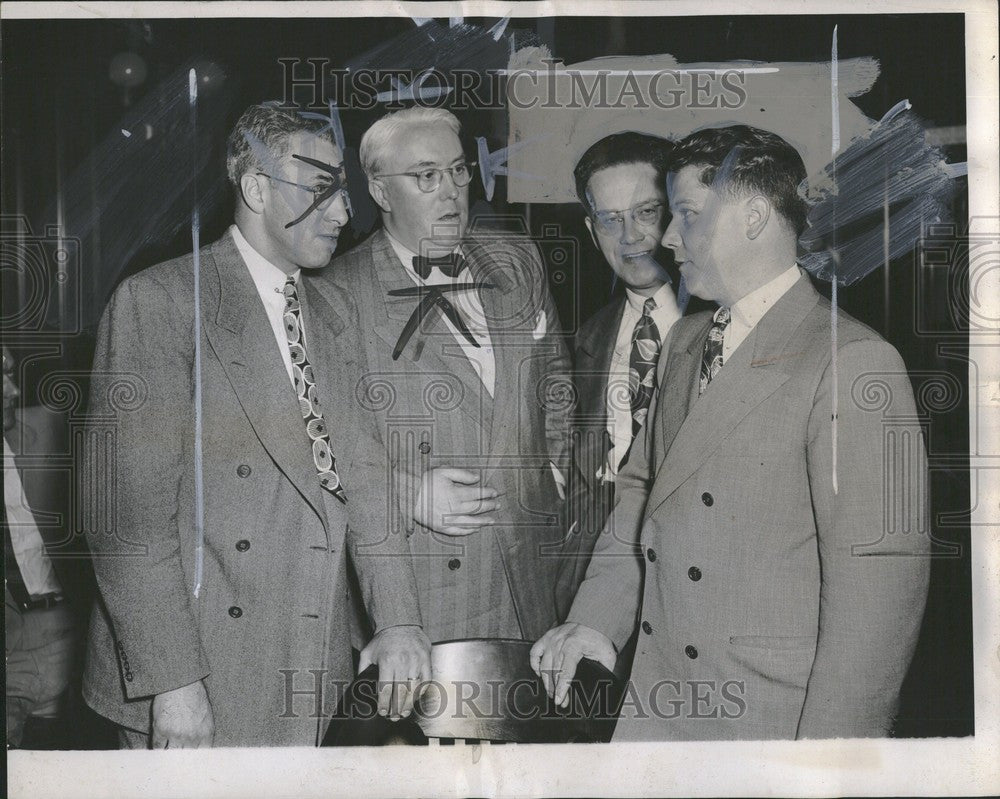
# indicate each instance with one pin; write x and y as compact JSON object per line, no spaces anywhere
{"x":137,"y":454}
{"x":873,"y":542}
{"x":381,"y":554}
{"x":609,"y":597}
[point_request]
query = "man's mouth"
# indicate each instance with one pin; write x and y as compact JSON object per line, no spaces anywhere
{"x":634,"y":256}
{"x":452,"y":217}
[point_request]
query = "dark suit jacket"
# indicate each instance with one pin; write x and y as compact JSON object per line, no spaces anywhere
{"x":589,"y":497}
{"x":790,"y":591}
{"x":271,"y":614}
{"x":434,"y":411}
{"x":40,"y":443}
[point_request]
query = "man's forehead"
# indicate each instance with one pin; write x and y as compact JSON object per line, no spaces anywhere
{"x":631,"y":182}
{"x":312,"y":146}
{"x":426,"y":144}
{"x":686,"y":183}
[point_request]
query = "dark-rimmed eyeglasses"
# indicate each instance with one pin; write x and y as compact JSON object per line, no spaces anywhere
{"x":429,"y":179}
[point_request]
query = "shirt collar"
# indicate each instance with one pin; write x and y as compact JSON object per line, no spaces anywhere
{"x":663,"y":297}
{"x":266,"y":276}
{"x":749,"y":309}
{"x":406,"y":255}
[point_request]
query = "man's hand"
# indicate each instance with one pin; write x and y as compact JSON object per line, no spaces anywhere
{"x":403,"y":656}
{"x":182,"y":718}
{"x":451,"y":502}
{"x":555,"y":655}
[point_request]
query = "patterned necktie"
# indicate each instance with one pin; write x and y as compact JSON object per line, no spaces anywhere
{"x":305,"y":388}
{"x":642,"y":364}
{"x":450,"y":265}
{"x":711,"y":358}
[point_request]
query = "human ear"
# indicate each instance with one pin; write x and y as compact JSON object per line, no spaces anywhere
{"x":252,"y":192}
{"x":590,"y":228}
{"x":758,"y":212}
{"x":376,"y":188}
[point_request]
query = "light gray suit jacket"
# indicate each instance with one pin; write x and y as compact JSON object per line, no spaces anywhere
{"x":779,"y":597}
{"x":433,"y":410}
{"x":272,"y":613}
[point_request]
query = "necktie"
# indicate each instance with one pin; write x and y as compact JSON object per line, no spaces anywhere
{"x":711,"y":358}
{"x":450,"y":265}
{"x":305,"y":388}
{"x":642,"y":364}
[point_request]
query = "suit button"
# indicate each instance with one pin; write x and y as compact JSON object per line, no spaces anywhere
{"x":424,"y":447}
{"x":690,"y":651}
{"x":708,"y":499}
{"x":243,"y":470}
{"x":235,"y":611}
{"x":694,"y":573}
{"x":242,"y":545}
{"x":647,"y":628}
{"x":651,"y":554}
{"x":454,"y":563}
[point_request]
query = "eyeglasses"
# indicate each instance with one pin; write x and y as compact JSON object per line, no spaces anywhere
{"x":612,"y":223}
{"x":321,"y":193}
{"x":429,"y":180}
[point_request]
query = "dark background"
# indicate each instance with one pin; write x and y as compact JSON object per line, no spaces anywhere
{"x":59,"y":103}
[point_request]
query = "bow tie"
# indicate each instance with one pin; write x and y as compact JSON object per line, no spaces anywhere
{"x":450,"y":265}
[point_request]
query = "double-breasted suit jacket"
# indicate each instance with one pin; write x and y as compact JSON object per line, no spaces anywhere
{"x":270,"y":617}
{"x":434,"y":411}
{"x":783,"y":568}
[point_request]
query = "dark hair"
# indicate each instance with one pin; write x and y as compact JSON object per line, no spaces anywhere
{"x":741,"y":160}
{"x":261,"y":133}
{"x":618,"y":149}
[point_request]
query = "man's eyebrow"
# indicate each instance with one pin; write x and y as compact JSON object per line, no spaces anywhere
{"x":420,"y":164}
{"x":331,"y":168}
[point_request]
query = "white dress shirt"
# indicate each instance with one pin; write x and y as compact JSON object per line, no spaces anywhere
{"x":617,"y":396}
{"x":747,"y":312}
{"x":468,"y":304}
{"x":29,"y":549}
{"x":270,"y":283}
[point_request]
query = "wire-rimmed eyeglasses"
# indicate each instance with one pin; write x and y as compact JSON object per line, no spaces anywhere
{"x":429,"y":179}
{"x":612,"y":223}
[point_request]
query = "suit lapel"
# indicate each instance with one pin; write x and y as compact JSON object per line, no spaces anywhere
{"x":758,"y":368}
{"x":239,"y":332}
{"x":333,"y":367}
{"x":502,"y":307}
{"x":594,"y":353}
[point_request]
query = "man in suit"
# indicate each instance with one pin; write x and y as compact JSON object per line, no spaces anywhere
{"x":780,"y":589}
{"x":464,"y":354}
{"x":43,"y":585}
{"x":236,"y":475}
{"x":621,"y":183}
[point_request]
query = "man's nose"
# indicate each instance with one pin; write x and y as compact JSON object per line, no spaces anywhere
{"x":671,"y":238}
{"x":336,"y":211}
{"x":448,"y":186}
{"x":630,"y":230}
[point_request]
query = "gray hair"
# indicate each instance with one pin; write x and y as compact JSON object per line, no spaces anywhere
{"x":377,"y":141}
{"x":261,"y":135}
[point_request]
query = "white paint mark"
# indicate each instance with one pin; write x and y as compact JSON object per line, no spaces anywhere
{"x":834,"y":147}
{"x":199,"y":481}
{"x":498,"y":30}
